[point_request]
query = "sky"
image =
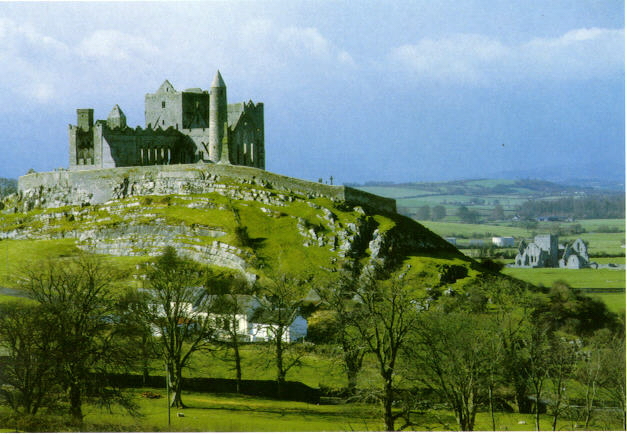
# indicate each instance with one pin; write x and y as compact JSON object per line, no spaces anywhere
{"x":363,"y":91}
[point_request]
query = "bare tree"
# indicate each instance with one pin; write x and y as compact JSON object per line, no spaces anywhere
{"x":537,"y":353}
{"x":613,"y":379}
{"x":338,"y":295}
{"x":177,"y":308}
{"x":76,"y":296}
{"x":27,"y":373}
{"x":280,"y":302}
{"x":561,"y":365}
{"x":456,"y":354}
{"x":230,"y":303}
{"x":388,"y":308}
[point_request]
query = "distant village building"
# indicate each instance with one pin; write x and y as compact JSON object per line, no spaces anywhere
{"x":546,"y":252}
{"x":247,"y":329}
{"x":451,"y":240}
{"x":476,"y":243}
{"x":503,"y":241}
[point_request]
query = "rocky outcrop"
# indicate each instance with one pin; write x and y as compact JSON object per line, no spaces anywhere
{"x":80,"y":187}
{"x":202,"y":213}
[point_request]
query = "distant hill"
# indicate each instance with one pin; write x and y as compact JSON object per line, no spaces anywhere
{"x":488,"y":197}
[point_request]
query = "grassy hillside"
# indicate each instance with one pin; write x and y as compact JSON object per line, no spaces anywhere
{"x":286,"y":233}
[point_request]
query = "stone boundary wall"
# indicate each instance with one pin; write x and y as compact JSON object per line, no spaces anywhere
{"x":76,"y":187}
{"x":292,"y":390}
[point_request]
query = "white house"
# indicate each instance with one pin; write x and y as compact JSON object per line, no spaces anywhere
{"x":503,"y":241}
{"x":265,"y":332}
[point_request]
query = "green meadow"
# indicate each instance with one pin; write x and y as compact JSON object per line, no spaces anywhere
{"x":232,"y":413}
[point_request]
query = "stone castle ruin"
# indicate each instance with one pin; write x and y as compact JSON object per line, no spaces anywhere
{"x":546,"y":252}
{"x":193,"y":143}
{"x":191,"y":126}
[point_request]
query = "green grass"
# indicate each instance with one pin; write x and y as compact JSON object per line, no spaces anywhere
{"x":615,"y":301}
{"x":609,"y":260}
{"x":599,"y":243}
{"x":602,"y":243}
{"x":232,"y":413}
{"x":16,"y":254}
{"x":212,"y":412}
{"x":584,"y":278}
{"x":316,"y":368}
{"x":467,"y":230}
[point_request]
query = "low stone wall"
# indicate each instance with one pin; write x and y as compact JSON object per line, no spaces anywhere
{"x":76,"y":187}
{"x":292,"y":390}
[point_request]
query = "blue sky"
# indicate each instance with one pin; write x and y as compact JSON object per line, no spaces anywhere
{"x":383,"y":91}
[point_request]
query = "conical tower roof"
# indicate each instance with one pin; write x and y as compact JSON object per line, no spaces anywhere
{"x":217,"y":80}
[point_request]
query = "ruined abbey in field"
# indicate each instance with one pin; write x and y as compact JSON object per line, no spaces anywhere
{"x":191,"y":126}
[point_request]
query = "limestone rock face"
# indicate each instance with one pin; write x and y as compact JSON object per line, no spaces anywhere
{"x":238,"y":218}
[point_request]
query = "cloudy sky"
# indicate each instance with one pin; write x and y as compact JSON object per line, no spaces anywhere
{"x":361,"y":91}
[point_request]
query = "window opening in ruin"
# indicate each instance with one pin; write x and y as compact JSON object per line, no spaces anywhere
{"x":162,"y":104}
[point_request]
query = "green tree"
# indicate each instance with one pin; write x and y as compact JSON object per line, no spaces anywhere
{"x":588,"y":372}
{"x":467,"y":216}
{"x":561,"y":366}
{"x":613,"y":379}
{"x":423,"y":212}
{"x":438,"y":212}
{"x":134,"y":332}
{"x":497,"y":213}
{"x":537,"y":352}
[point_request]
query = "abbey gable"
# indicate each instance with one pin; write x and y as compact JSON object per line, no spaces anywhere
{"x":182,"y":127}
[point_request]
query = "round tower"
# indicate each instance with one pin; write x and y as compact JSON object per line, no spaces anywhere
{"x":217,"y":116}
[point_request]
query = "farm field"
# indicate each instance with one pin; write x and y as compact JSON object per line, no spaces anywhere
{"x":599,"y":243}
{"x":481,"y":195}
{"x":615,"y":301}
{"x":584,"y":278}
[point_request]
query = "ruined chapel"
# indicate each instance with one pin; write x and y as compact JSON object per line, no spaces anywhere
{"x":182,"y":127}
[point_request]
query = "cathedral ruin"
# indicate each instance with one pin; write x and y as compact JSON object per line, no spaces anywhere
{"x":546,"y":252}
{"x":189,"y":126}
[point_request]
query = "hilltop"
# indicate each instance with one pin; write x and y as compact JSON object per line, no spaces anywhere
{"x":240,"y":218}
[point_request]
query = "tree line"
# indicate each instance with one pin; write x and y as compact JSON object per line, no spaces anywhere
{"x":472,"y":349}
{"x":588,"y":207}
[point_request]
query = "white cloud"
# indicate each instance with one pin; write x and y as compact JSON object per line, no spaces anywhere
{"x":462,"y":58}
{"x":29,"y":61}
{"x":116,"y":46}
{"x":304,"y":41}
{"x":480,"y":60}
{"x":295,"y":49}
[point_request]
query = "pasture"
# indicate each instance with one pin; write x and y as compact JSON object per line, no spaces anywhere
{"x":234,"y":413}
{"x":584,"y":278}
